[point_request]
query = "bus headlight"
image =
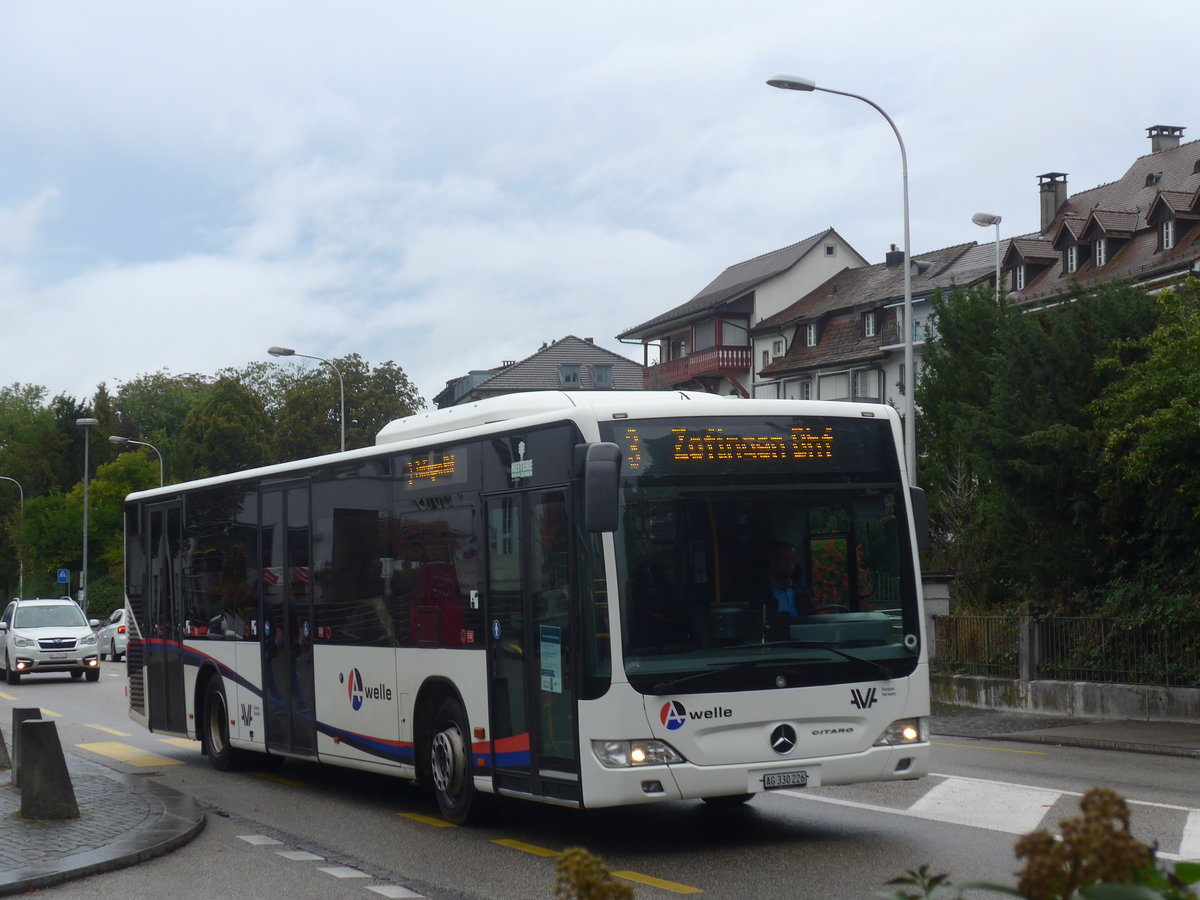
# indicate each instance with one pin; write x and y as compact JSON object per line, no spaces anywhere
{"x":904,"y":731}
{"x":631,"y":754}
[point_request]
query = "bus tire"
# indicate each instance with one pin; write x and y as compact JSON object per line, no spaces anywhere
{"x":215,"y":730}
{"x":450,"y":762}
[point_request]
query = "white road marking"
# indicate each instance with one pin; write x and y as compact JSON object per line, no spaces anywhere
{"x":393,"y":890}
{"x":1013,"y":809}
{"x":344,"y":872}
{"x":259,"y":840}
{"x":1189,"y":845}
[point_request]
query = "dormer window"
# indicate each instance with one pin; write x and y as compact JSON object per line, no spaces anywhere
{"x":1019,"y":277}
{"x":1166,"y":234}
{"x":868,"y":324}
{"x":810,"y":334}
{"x":568,"y":375}
{"x":602,"y":375}
{"x":1100,"y":252}
{"x":1071,"y":259}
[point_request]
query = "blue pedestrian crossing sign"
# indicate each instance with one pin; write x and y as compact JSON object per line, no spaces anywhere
{"x":64,"y":576}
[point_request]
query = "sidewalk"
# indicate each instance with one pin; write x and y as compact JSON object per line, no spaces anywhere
{"x":122,"y":821}
{"x":1160,"y":738}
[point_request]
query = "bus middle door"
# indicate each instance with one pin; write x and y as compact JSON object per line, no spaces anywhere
{"x":532,"y":683}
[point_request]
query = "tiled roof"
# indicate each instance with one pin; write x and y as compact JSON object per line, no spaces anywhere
{"x":841,"y":342}
{"x":734,"y":282}
{"x":1033,"y":250}
{"x":1169,"y":178}
{"x":540,"y":370}
{"x":869,"y":286}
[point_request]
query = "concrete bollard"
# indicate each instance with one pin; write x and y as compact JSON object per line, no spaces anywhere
{"x":20,"y":716}
{"x":46,"y":789}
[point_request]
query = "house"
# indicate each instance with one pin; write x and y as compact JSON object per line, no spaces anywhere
{"x":568,"y":364}
{"x":845,"y":339}
{"x":705,"y":343}
{"x":1144,"y":227}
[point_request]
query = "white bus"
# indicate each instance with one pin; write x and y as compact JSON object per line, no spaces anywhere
{"x":559,"y":596}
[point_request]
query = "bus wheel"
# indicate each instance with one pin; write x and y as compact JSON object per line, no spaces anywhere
{"x":215,"y":729}
{"x":729,"y":801}
{"x":449,"y":762}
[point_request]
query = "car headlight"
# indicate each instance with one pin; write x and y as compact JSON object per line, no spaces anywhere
{"x":632,"y":754}
{"x":23,"y":642}
{"x":904,"y":731}
{"x":88,"y":641}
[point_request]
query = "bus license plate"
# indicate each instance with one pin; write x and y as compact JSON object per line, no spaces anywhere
{"x":785,"y":779}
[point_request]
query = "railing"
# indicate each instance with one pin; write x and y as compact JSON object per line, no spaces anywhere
{"x":710,"y":361}
{"x":1094,"y":649}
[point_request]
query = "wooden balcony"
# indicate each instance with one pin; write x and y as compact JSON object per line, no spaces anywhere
{"x":710,"y":362}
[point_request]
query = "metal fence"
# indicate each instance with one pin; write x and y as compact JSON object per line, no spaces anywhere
{"x":1079,"y":648}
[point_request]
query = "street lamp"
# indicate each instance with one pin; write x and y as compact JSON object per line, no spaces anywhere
{"x":87,"y":425}
{"x":21,"y":560}
{"x":983,"y":220}
{"x":796,"y":83}
{"x":287,"y":351}
{"x":129,"y":442}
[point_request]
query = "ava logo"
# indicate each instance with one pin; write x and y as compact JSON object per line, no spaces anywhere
{"x":673,"y":715}
{"x":247,"y":714}
{"x":863,"y":699}
{"x":354,"y":688}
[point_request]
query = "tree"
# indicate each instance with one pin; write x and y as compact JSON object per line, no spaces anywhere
{"x":153,"y":408}
{"x":1149,"y":419}
{"x":228,"y":431}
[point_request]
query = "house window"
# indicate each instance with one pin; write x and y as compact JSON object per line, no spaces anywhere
{"x":1100,"y":253}
{"x":676,"y":348}
{"x":866,"y":384}
{"x":766,"y":358}
{"x":602,"y":375}
{"x":777,"y":348}
{"x":1019,"y":277}
{"x":810,"y":334}
{"x":1071,"y":259}
{"x":1166,"y":234}
{"x":568,"y":375}
{"x":868,"y":324}
{"x":835,"y":387}
{"x":830,"y":250}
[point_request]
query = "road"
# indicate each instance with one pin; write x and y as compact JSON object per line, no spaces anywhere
{"x":300,"y":831}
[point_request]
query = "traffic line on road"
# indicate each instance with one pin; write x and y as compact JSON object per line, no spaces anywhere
{"x":183,"y":743}
{"x":280,"y":779}
{"x":426,"y":820}
{"x":649,"y":880}
{"x":996,"y":749}
{"x":111,"y":731}
{"x":1189,"y":844}
{"x":128,"y":754}
{"x":1011,"y":808}
{"x":49,"y":714}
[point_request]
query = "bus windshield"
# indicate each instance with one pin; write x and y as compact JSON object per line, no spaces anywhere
{"x":762,"y":554}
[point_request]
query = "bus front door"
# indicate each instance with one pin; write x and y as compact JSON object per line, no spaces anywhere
{"x":530,"y":632}
{"x":163,"y":632}
{"x":286,"y":634}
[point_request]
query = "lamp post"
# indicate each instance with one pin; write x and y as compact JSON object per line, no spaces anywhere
{"x":983,"y":220}
{"x":87,"y":425}
{"x":129,"y":442}
{"x":287,"y":351}
{"x":796,"y":83}
{"x":21,"y":560}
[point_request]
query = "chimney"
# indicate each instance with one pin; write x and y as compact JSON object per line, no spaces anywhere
{"x":1053,"y":188}
{"x":893,"y":258}
{"x":1164,"y":137}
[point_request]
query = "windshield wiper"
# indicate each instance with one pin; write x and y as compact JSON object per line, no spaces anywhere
{"x":885,"y":672}
{"x":663,"y":687}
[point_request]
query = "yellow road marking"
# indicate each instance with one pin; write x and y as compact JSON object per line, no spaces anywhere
{"x":184,"y":743}
{"x":997,"y":749}
{"x":279,"y":779}
{"x":109,"y":730}
{"x":427,"y":820}
{"x":50,"y":715}
{"x":672,"y":886}
{"x":7,"y":696}
{"x":526,"y":848}
{"x":129,"y":754}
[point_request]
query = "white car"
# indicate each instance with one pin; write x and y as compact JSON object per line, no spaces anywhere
{"x":47,"y":636}
{"x":113,"y":637}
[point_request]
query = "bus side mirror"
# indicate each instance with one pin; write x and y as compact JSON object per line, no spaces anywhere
{"x":601,"y":485}
{"x":920,"y":508}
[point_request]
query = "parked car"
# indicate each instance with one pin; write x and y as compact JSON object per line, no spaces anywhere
{"x":47,"y":636}
{"x":113,"y":637}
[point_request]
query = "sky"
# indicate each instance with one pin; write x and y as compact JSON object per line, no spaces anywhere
{"x":449,"y":186}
